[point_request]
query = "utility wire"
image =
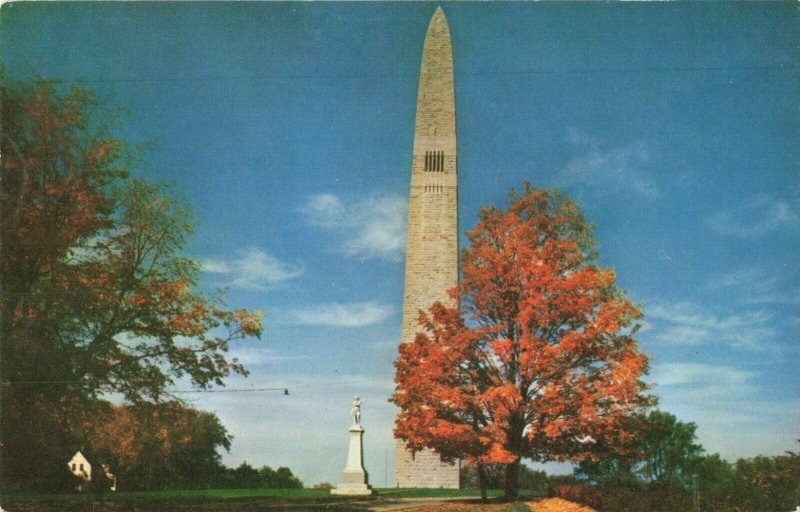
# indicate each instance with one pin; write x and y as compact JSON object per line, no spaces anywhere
{"x":186,"y":391}
{"x":238,"y":390}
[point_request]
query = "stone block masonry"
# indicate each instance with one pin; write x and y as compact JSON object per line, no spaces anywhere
{"x":432,"y":252}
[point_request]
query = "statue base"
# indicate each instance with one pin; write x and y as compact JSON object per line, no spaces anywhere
{"x":354,"y":478}
{"x":352,"y":490}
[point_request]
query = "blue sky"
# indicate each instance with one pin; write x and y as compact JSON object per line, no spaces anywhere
{"x":289,"y":126}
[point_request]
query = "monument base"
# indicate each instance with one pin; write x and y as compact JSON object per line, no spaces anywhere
{"x":352,"y":490}
{"x":354,"y":477}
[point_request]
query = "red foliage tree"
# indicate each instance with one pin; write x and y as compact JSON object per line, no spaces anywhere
{"x":538,"y":361}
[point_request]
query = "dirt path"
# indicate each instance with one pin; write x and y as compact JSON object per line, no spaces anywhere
{"x":557,"y":505}
{"x":428,"y":505}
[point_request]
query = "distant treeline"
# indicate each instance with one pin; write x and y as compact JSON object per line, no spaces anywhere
{"x":664,"y":469}
{"x":247,"y":477}
{"x":153,"y":447}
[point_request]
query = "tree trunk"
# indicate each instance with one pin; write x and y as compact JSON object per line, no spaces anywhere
{"x":511,"y":484}
{"x":483,"y":482}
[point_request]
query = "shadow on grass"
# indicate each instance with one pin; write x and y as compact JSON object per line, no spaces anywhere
{"x":245,"y":500}
{"x":185,"y":506}
{"x":184,"y":502}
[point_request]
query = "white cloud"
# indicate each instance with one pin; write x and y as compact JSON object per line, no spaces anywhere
{"x":373,"y":227}
{"x":356,"y":314}
{"x":600,"y":167}
{"x":214,"y":266}
{"x":756,"y":286}
{"x":251,"y":355}
{"x":734,"y":278}
{"x":709,"y":379}
{"x":729,"y":408}
{"x":755,"y":218}
{"x":253,"y":269}
{"x":325,"y":210}
{"x":687,"y":323}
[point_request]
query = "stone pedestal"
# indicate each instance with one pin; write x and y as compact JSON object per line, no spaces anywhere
{"x":355,"y":480}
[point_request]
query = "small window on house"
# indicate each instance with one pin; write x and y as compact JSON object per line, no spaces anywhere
{"x":73,"y":466}
{"x":81,"y":466}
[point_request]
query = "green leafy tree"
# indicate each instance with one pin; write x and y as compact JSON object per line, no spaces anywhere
{"x":669,"y":450}
{"x":614,"y":463}
{"x":717,"y":482}
{"x":96,"y":295}
{"x":286,"y":480}
{"x":768,"y":483}
{"x":246,"y":477}
{"x":659,"y":450}
{"x":282,"y":478}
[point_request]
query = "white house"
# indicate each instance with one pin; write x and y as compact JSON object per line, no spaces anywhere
{"x":80,"y":467}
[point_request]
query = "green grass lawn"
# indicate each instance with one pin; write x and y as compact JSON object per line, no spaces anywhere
{"x":222,"y":494}
{"x":232,"y":500}
{"x":449,"y":493}
{"x":194,"y":494}
{"x":392,"y":492}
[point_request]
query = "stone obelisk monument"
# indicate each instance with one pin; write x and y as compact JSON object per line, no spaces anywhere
{"x":432,"y":252}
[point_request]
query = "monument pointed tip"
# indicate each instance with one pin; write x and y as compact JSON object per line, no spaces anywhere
{"x":438,"y":22}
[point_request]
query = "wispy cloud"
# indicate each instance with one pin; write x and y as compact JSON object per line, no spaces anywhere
{"x":735,"y":278}
{"x":259,"y":355}
{"x":325,"y":210}
{"x":718,"y":397}
{"x":754,"y":218}
{"x":756,"y":286}
{"x":711,"y":380}
{"x":253,"y":269}
{"x":687,"y":323}
{"x":214,"y":266}
{"x":372,"y":227}
{"x":599,"y":166}
{"x":355,"y":314}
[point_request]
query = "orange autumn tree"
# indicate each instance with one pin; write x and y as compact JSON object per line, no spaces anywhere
{"x":539,"y":359}
{"x":96,"y":295}
{"x":161,"y":446}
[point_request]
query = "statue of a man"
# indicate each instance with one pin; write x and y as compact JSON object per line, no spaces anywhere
{"x":356,"y":411}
